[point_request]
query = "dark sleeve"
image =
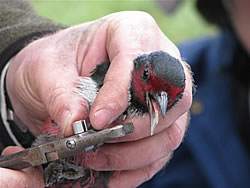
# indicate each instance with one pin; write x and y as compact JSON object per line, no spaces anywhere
{"x":20,"y":24}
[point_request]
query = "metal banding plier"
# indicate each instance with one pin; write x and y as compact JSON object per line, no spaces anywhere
{"x":82,"y":140}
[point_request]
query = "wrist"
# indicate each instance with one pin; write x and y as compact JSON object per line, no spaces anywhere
{"x":13,"y":130}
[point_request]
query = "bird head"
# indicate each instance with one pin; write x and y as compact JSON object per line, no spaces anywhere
{"x":158,"y":81}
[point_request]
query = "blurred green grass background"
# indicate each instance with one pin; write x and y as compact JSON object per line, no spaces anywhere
{"x":183,"y":25}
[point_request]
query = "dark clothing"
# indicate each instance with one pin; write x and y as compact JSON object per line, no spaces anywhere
{"x":213,"y":153}
{"x":19,"y":25}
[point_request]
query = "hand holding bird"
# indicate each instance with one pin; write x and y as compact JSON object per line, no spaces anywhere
{"x":43,"y":85}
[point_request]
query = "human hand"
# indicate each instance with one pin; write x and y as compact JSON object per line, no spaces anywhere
{"x":42,"y":76}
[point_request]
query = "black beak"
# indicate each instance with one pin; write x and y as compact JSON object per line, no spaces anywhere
{"x":155,"y":102}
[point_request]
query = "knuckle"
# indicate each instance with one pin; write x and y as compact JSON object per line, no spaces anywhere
{"x":134,"y":20}
{"x":117,"y":161}
{"x":56,"y":101}
{"x":148,"y":172}
{"x":52,"y":98}
{"x":152,"y":169}
{"x":146,"y":22}
{"x":137,"y":16}
{"x":175,"y":134}
{"x":146,"y":17}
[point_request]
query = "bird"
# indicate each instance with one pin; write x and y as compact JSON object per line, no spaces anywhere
{"x":157,"y":84}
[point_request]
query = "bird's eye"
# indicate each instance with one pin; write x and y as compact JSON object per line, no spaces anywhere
{"x":146,"y":74}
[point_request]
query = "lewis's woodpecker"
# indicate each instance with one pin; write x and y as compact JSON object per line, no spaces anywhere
{"x":157,"y":84}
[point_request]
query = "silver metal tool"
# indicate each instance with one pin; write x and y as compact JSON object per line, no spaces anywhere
{"x":64,"y":147}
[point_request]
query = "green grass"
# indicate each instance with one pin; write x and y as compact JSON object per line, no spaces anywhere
{"x":182,"y":25}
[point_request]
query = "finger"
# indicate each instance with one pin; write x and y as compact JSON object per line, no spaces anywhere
{"x":133,"y":155}
{"x":133,"y":178}
{"x":63,"y":104}
{"x":125,"y":41}
{"x":11,"y":149}
{"x":142,"y":127}
{"x":20,"y":178}
{"x":30,"y":177}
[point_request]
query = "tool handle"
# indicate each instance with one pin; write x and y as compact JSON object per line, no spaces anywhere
{"x":62,"y":148}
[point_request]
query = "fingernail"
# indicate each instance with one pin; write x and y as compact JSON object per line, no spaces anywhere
{"x":99,"y":161}
{"x":66,"y":116}
{"x":102,"y":118}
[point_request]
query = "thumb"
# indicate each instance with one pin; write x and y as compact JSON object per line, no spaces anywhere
{"x":42,"y":85}
{"x":58,"y":94}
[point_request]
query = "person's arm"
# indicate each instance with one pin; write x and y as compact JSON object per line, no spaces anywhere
{"x":41,"y":81}
{"x":19,"y":25}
